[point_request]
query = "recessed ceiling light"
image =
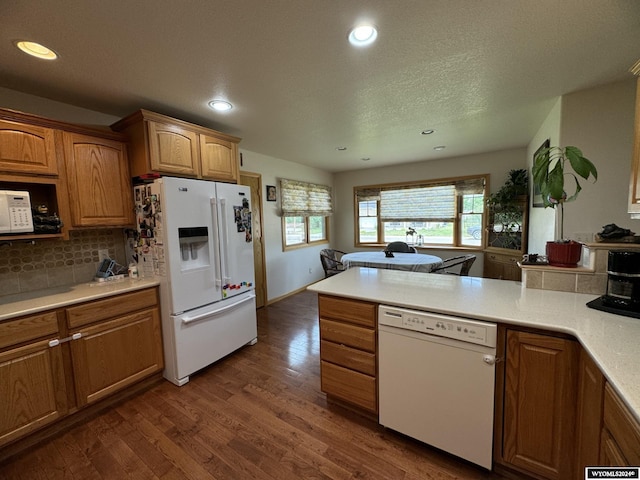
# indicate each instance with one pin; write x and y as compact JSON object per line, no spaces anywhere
{"x":363,"y":35}
{"x":36,"y":50}
{"x":428,"y":131}
{"x":341,"y":149}
{"x":220,"y":105}
{"x":439,"y":147}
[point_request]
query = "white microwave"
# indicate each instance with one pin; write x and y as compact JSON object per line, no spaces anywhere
{"x":15,"y":212}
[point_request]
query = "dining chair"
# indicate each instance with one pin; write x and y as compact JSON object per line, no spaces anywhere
{"x":464,"y":261}
{"x":400,"y":247}
{"x":331,"y":263}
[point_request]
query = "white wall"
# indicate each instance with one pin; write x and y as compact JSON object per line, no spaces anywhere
{"x":286,"y":271}
{"x":496,"y":164}
{"x":600,"y":122}
{"x":44,"y":107}
{"x":542,"y":220}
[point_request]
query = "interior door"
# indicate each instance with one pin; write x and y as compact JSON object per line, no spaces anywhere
{"x":254,"y":182}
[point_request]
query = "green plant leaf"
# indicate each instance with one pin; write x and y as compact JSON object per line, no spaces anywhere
{"x":555,"y":180}
{"x":578,"y":188}
{"x":581,"y":165}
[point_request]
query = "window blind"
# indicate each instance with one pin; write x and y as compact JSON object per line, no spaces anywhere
{"x":302,"y":199}
{"x":428,"y":203}
{"x":435,"y":201}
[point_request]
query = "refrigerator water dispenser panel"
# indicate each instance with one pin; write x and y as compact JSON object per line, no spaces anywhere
{"x":194,"y":247}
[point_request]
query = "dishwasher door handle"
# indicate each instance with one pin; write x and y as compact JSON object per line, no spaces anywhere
{"x":490,"y":359}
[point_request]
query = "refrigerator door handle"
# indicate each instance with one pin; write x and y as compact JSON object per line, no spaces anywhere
{"x":225,"y":241}
{"x":187,"y":320}
{"x":215,"y":223}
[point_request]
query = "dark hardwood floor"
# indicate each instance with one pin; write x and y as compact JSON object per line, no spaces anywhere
{"x":257,"y":414}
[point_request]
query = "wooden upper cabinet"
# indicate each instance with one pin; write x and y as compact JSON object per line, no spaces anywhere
{"x":99,"y":183}
{"x":173,"y":149}
{"x":28,"y":149}
{"x":161,"y":145}
{"x":219,"y":159}
{"x":634,"y":184}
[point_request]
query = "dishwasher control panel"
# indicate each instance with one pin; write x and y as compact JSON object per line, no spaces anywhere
{"x":471,"y":331}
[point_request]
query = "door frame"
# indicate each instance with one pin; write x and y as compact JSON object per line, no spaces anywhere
{"x":256,"y":199}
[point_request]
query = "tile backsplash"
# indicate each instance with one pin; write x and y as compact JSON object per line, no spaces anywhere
{"x":25,"y":267}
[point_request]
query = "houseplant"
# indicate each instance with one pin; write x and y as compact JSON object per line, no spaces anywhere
{"x":551,"y":167}
{"x":506,"y":211}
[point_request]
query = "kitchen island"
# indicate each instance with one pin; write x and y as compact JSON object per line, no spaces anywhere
{"x":567,"y":384}
{"x":611,"y":340}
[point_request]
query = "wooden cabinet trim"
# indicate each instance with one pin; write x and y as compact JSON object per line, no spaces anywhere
{"x":98,"y":310}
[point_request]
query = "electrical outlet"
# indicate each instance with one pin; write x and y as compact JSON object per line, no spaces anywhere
{"x":103,"y":253}
{"x":310,"y":270}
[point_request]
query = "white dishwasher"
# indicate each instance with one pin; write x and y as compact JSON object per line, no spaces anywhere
{"x":436,"y":380}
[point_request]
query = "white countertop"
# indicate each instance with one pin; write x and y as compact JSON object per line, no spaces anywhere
{"x":613,"y":341}
{"x":33,"y":302}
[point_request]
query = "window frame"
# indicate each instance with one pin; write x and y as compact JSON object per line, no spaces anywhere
{"x":457,"y":220}
{"x":307,"y":242}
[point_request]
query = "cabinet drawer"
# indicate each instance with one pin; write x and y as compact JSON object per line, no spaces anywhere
{"x":349,"y":335}
{"x":348,"y":357}
{"x":14,"y":332}
{"x":350,"y":386}
{"x":110,"y":307}
{"x":622,"y":425}
{"x":353,"y":311}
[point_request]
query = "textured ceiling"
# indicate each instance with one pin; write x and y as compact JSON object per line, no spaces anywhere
{"x":482,"y":73}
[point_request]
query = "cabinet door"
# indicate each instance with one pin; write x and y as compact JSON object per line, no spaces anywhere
{"x":99,"y":183}
{"x":634,"y":184}
{"x":115,"y":354}
{"x":173,"y":149}
{"x":27,"y":149}
{"x":502,"y":267}
{"x":32,"y":389}
{"x":539,"y":404}
{"x":589,"y":414}
{"x":219,"y":159}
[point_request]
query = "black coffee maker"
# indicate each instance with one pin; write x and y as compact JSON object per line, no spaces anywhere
{"x":623,"y":283}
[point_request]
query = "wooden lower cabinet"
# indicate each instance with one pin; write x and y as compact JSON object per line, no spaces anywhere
{"x":348,"y":346}
{"x":32,"y":389}
{"x":502,"y":266}
{"x":620,"y":441}
{"x":538,"y":404}
{"x":42,"y":364}
{"x":589,"y":414}
{"x":115,"y":354}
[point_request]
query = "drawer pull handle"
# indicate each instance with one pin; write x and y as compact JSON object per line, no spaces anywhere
{"x":58,"y":341}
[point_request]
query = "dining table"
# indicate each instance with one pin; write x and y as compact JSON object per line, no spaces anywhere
{"x":409,"y":262}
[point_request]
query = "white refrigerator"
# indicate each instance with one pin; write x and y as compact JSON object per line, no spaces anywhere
{"x":196,"y":236}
